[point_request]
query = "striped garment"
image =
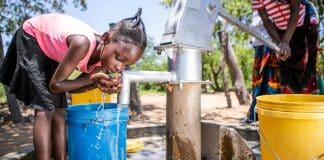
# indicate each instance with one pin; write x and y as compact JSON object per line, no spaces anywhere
{"x":279,"y":12}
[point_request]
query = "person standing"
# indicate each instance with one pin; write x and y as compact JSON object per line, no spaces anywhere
{"x":289,"y":27}
{"x":265,"y":75}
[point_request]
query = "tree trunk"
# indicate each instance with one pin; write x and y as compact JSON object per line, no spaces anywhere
{"x":135,"y":102}
{"x":225,"y":80}
{"x":215,"y":77}
{"x":224,"y":75}
{"x":234,"y":69}
{"x":14,"y":109}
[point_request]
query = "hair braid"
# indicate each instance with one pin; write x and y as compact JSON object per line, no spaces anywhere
{"x":130,"y":30}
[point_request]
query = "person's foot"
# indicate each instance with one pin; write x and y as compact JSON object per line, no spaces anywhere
{"x":249,"y":123}
{"x":246,"y":120}
{"x":138,"y":117}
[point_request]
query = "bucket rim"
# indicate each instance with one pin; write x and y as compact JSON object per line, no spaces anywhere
{"x":292,"y":102}
{"x":93,"y":103}
{"x":72,"y":108}
{"x":289,"y":115}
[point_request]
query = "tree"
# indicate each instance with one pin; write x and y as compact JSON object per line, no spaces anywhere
{"x":151,"y":61}
{"x":15,"y":113}
{"x":135,"y":104}
{"x":10,"y":21}
{"x":235,"y":72}
{"x":320,"y":8}
{"x":223,"y":38}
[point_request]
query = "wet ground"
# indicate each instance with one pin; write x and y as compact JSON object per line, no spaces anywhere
{"x":154,"y":148}
{"x":16,"y":139}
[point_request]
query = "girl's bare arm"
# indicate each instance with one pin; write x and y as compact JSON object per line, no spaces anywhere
{"x":78,"y":48}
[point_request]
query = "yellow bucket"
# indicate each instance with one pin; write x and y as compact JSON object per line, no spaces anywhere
{"x":91,"y":96}
{"x":291,"y":126}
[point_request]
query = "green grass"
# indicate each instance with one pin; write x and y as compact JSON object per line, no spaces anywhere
{"x":3,"y":98}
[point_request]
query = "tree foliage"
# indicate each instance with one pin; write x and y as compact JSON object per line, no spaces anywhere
{"x":13,"y":13}
{"x":319,"y":4}
{"x":151,"y":62}
{"x":239,"y":40}
{"x":166,"y":3}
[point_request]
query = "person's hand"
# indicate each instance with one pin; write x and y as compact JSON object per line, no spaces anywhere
{"x":106,"y":83}
{"x":284,"y":52}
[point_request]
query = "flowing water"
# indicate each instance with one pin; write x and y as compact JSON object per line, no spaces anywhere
{"x":119,"y":107}
{"x":101,"y":119}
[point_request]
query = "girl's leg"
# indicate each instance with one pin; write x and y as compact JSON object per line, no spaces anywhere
{"x":59,"y":134}
{"x":42,"y":134}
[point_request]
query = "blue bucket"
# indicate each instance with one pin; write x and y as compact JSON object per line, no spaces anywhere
{"x":96,"y":135}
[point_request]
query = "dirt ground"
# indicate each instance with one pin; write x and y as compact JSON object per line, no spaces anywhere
{"x":213,"y":107}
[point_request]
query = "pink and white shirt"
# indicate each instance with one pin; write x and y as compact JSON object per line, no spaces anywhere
{"x":51,"y":32}
{"x":279,"y":12}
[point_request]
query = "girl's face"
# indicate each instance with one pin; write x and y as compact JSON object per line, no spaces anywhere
{"x":116,"y":56}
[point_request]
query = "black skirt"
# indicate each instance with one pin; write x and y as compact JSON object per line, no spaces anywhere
{"x":299,"y":71}
{"x":27,"y":73}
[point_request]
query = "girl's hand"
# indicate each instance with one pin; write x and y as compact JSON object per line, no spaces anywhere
{"x":285,"y":51}
{"x":106,"y":83}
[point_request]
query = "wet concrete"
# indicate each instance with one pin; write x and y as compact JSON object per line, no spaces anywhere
{"x":154,"y":148}
{"x":233,"y":146}
{"x":249,"y":140}
{"x":154,"y":138}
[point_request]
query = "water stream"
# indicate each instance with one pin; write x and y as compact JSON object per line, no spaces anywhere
{"x":101,"y":119}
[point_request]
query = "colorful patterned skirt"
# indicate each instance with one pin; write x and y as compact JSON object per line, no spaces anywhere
{"x":265,"y":78}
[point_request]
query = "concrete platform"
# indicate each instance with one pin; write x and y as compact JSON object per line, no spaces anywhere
{"x":154,"y":148}
{"x":153,"y":136}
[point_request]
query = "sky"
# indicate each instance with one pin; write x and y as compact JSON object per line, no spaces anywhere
{"x":100,"y":13}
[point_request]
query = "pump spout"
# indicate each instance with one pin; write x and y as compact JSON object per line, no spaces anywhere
{"x":141,"y":76}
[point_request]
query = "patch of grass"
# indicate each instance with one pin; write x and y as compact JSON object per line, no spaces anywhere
{"x":3,"y":98}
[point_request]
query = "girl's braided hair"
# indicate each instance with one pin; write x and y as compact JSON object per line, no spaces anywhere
{"x":130,"y":30}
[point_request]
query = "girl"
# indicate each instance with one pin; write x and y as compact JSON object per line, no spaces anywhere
{"x":46,"y":50}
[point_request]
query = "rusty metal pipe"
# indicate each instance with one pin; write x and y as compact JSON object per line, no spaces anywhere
{"x":183,"y":106}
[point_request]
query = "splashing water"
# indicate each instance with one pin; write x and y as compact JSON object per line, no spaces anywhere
{"x":100,"y":119}
{"x":101,"y":107}
{"x":102,"y":103}
{"x":104,"y":128}
{"x":117,"y":125}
